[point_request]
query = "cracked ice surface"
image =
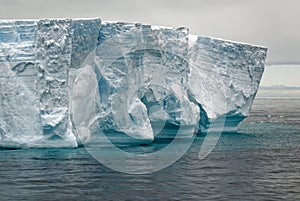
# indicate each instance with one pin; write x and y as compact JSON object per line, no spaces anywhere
{"x":64,"y":80}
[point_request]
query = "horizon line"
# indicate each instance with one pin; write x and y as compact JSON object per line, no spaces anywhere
{"x":281,"y":63}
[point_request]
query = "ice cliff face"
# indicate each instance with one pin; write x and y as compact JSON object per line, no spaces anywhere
{"x":62,"y":81}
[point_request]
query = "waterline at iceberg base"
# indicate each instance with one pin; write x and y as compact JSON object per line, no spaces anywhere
{"x":67,"y":82}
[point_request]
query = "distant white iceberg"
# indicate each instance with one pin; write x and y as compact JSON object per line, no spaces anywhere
{"x":64,"y":80}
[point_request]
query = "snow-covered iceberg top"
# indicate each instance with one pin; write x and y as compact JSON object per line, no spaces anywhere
{"x":65,"y":80}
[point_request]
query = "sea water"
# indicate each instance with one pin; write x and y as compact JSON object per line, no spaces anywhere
{"x":260,"y":162}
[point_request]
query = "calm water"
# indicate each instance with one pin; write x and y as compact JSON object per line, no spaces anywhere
{"x":261,"y":162}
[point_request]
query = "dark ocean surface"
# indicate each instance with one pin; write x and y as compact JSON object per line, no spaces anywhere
{"x":260,"y":162}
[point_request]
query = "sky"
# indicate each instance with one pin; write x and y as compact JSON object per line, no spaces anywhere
{"x":271,"y":23}
{"x":288,"y":75}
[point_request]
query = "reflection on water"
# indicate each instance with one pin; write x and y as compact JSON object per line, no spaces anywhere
{"x":262,"y":161}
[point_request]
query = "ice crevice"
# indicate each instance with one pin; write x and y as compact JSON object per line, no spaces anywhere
{"x":65,"y":81}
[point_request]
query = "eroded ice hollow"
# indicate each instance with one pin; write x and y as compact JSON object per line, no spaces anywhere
{"x":65,"y":82}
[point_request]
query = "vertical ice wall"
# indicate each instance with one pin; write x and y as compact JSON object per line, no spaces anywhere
{"x":64,"y":80}
{"x":82,"y":83}
{"x":36,"y":62}
{"x":53,"y":58}
{"x":141,"y":77}
{"x":229,"y":73}
{"x":19,"y":112}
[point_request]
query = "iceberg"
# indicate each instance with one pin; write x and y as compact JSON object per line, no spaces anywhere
{"x":65,"y":80}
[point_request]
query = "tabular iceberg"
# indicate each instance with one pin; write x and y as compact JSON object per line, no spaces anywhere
{"x":64,"y":80}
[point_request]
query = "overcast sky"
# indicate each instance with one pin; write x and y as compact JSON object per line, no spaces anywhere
{"x":271,"y":23}
{"x":288,"y":75}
